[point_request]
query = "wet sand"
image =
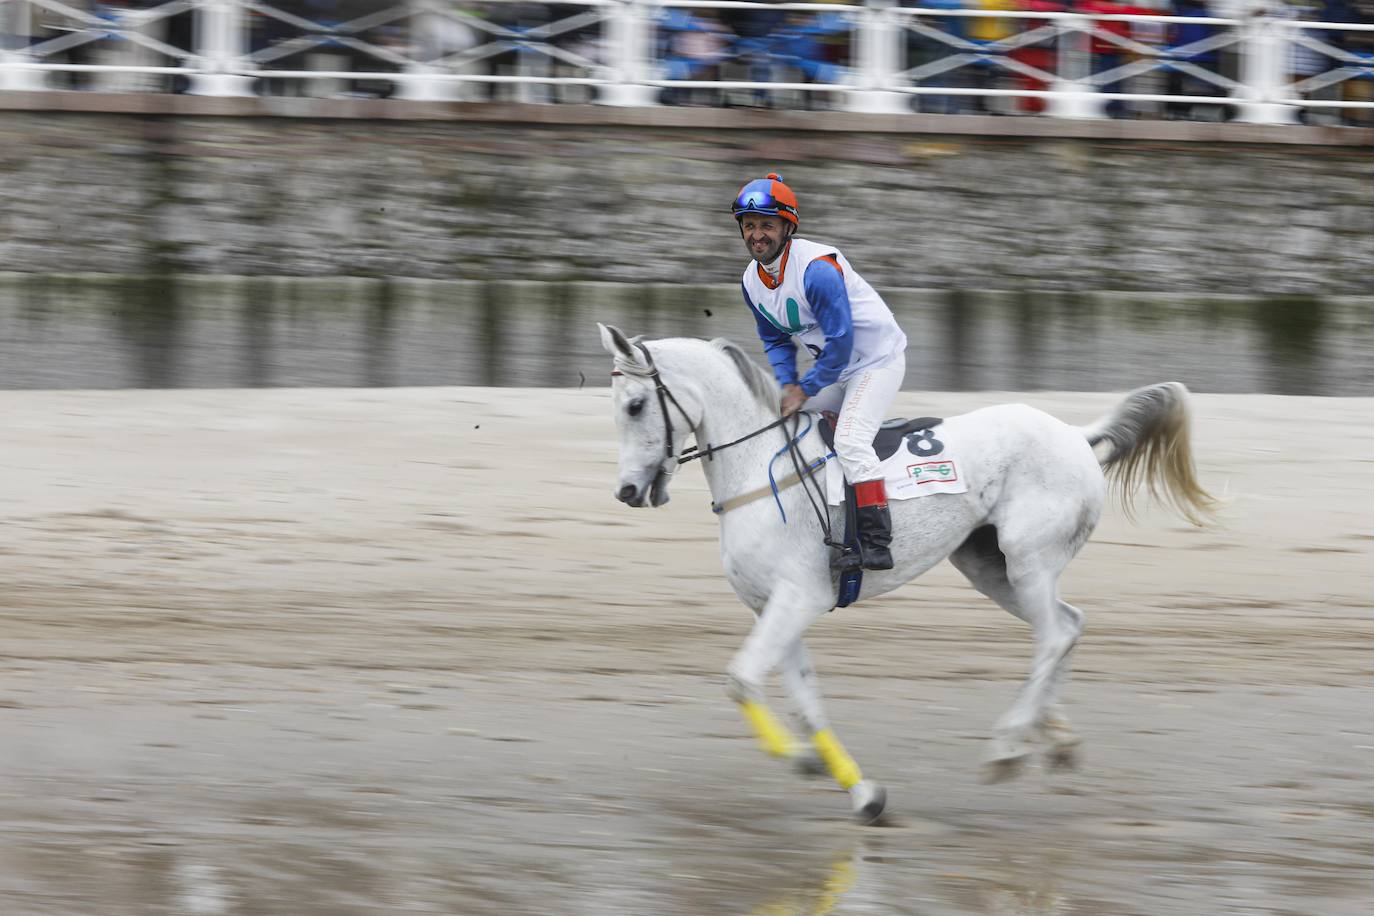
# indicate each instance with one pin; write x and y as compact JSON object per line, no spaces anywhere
{"x":399,"y":651}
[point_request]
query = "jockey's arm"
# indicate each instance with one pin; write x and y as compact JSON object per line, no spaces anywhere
{"x":830,"y":304}
{"x":777,"y":346}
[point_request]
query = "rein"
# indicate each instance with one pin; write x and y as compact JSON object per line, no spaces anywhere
{"x":805,"y":475}
{"x":693,"y":453}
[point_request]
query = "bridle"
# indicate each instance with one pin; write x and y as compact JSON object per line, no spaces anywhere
{"x":671,"y":460}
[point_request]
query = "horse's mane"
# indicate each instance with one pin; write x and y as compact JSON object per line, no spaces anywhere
{"x":759,"y":380}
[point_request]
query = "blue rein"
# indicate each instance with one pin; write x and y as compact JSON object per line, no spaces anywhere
{"x":810,"y":468}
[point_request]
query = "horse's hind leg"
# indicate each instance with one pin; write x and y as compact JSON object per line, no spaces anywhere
{"x":1028,"y":590}
{"x":1053,"y":725}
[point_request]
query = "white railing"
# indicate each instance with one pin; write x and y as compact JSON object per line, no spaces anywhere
{"x":873,"y":58}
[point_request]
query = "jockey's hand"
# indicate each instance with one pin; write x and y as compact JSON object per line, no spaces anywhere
{"x":792,"y":399}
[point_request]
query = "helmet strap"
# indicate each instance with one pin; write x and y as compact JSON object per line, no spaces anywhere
{"x":773,"y":267}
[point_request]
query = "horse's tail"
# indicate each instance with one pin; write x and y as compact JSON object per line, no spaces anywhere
{"x":1148,"y":436}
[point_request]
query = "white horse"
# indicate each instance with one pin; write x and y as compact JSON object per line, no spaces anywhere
{"x":1036,"y":492}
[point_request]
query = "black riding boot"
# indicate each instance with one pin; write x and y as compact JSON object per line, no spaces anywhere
{"x":875,"y":524}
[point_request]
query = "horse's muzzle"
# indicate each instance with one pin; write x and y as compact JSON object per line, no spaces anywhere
{"x":655,"y":494}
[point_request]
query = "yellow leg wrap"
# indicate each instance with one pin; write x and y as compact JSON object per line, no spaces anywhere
{"x":773,"y":736}
{"x":842,"y":880}
{"x":837,"y":759}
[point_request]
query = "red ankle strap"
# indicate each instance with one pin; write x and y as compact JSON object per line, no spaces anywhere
{"x":870,"y":493}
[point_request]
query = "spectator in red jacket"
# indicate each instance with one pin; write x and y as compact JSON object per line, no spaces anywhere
{"x":1107,"y":54}
{"x":1043,"y":55}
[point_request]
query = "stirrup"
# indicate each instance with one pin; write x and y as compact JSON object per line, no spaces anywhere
{"x":846,"y":560}
{"x":874,"y":564}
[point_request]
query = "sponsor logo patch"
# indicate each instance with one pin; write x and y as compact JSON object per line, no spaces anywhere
{"x":933,"y":472}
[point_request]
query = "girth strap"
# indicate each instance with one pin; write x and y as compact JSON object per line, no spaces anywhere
{"x":745,"y":499}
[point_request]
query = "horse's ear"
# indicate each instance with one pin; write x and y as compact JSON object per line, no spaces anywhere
{"x":615,"y":341}
{"x":622,"y":347}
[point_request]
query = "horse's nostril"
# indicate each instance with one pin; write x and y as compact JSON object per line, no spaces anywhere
{"x":626,"y":493}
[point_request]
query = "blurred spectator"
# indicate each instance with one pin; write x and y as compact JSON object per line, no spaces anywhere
{"x":589,"y":43}
{"x":114,"y":49}
{"x":1332,"y":11}
{"x":1043,"y":55}
{"x":273,"y":31}
{"x":987,"y":30}
{"x":46,"y":25}
{"x":1306,"y":61}
{"x":1154,"y":36}
{"x":812,"y":48}
{"x":523,"y":60}
{"x":696,"y":43}
{"x":923,"y":49}
{"x":442,"y":31}
{"x":760,"y":43}
{"x":752,"y":63}
{"x":314,"y":48}
{"x":1108,"y":55}
{"x":326,"y":56}
{"x":1183,"y":35}
{"x":1360,"y":88}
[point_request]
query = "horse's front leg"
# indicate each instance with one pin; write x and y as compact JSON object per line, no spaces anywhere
{"x":799,"y":677}
{"x":776,"y":641}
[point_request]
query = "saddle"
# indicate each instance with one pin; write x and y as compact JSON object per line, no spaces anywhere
{"x":890,"y":434}
{"x":847,"y":562}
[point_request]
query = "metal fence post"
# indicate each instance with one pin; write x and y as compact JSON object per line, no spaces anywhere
{"x":16,"y":28}
{"x":1264,"y":51}
{"x":879,"y":56}
{"x":628,"y":56}
{"x":223,"y":31}
{"x":1080,"y":100}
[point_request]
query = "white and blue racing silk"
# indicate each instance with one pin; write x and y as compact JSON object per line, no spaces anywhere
{"x":819,"y":299}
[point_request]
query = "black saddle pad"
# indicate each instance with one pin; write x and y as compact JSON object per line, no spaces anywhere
{"x":890,"y":436}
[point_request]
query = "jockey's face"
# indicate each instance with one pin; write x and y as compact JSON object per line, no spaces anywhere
{"x":764,"y":236}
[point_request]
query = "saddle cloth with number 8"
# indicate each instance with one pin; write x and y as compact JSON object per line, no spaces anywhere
{"x":916,"y":461}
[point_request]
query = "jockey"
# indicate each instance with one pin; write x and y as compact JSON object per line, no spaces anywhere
{"x":808,"y":290}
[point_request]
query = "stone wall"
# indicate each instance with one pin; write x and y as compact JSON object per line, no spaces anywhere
{"x":125,"y":193}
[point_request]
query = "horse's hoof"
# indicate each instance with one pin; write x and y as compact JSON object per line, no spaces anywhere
{"x":1002,"y":769}
{"x":809,"y":764}
{"x":869,"y":800}
{"x":1062,"y":757}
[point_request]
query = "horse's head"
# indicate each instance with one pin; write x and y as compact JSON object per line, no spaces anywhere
{"x":652,"y":420}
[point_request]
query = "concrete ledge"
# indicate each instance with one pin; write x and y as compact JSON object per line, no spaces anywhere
{"x":693,"y":118}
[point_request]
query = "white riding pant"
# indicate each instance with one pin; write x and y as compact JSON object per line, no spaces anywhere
{"x":862,"y":402}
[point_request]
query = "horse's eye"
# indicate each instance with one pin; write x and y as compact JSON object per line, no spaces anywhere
{"x":635,"y":407}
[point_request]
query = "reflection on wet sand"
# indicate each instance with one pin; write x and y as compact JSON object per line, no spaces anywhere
{"x":835,"y":881}
{"x":853,"y":882}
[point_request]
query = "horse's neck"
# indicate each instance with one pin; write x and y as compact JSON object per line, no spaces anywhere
{"x":741,"y":467}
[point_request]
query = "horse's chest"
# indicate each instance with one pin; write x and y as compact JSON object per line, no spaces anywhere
{"x":751,"y":567}
{"x":757,"y":561}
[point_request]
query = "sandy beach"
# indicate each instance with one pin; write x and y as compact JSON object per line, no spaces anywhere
{"x":367,"y":651}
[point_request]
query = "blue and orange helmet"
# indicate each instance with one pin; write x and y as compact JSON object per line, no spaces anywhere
{"x":768,"y":197}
